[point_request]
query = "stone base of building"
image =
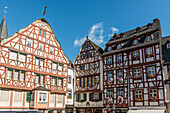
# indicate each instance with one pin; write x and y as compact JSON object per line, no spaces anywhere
{"x":89,"y":110}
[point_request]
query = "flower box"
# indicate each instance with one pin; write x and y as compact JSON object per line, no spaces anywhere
{"x":135,"y":58}
{"x":137,"y":77}
{"x":119,"y":79}
{"x":149,"y":55}
{"x":120,"y":100}
{"x":153,"y":98}
{"x":138,"y":99}
{"x":109,"y":81}
{"x":151,"y":76}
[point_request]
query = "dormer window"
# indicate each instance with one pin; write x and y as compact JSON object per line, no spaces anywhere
{"x":119,"y":46}
{"x":138,"y":29}
{"x":149,"y":26}
{"x":168,"y":45}
{"x":135,"y":41}
{"x":148,"y":38}
{"x":122,"y":35}
{"x":109,"y":48}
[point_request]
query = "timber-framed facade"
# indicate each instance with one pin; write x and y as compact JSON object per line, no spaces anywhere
{"x":132,"y":71}
{"x":33,"y":70}
{"x":88,"y":79}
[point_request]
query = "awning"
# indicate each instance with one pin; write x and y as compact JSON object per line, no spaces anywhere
{"x":146,"y":111}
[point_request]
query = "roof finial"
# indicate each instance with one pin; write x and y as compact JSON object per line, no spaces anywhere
{"x":44,"y":11}
{"x":87,"y":33}
{"x":5,"y":11}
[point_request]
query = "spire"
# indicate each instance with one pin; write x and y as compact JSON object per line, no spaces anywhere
{"x":87,"y":33}
{"x":3,"y":27}
{"x":44,"y":11}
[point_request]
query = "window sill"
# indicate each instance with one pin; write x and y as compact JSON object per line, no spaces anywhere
{"x":135,"y":58}
{"x":149,"y":55}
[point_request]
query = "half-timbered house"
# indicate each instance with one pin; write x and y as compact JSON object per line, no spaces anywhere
{"x":166,"y":68}
{"x":133,"y":78}
{"x":33,"y":69}
{"x":88,"y":78}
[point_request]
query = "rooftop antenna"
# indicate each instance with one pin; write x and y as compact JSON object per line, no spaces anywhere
{"x":5,"y":11}
{"x":44,"y":11}
{"x":87,"y":33}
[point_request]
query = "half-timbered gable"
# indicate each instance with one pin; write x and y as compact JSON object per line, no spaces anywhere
{"x":132,"y":69}
{"x":33,"y":58}
{"x":88,"y":66}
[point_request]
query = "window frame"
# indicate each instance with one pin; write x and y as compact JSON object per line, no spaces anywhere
{"x":140,"y":73}
{"x":50,"y":48}
{"x":140,"y":93}
{"x":46,"y":97}
{"x":109,"y":60}
{"x":150,"y":52}
{"x":40,"y":79}
{"x":151,"y":72}
{"x":119,"y":58}
{"x":119,"y":46}
{"x":148,"y":35}
{"x":31,"y":42}
{"x":40,"y":46}
{"x":134,"y":41}
{"x":59,"y":85}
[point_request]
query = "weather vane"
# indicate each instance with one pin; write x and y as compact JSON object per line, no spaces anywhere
{"x":5,"y":11}
{"x":44,"y":11}
{"x":87,"y":33}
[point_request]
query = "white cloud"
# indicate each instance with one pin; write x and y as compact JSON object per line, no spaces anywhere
{"x":113,"y":31}
{"x":96,"y":34}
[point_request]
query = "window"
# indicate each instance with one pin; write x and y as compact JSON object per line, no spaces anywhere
{"x":119,"y":73}
{"x":150,"y":70}
{"x":37,"y":62}
{"x":40,"y":32}
{"x":119,"y":58}
{"x":40,"y":79}
{"x":51,"y":50}
{"x":136,"y":73}
{"x":92,"y":81}
{"x":59,"y":98}
{"x":168,"y":45}
{"x":110,"y":93}
{"x":120,"y":92}
{"x":91,"y":66}
{"x":29,"y":42}
{"x":60,"y":67}
{"x":82,"y":56}
{"x":41,"y":62}
{"x":135,"y":54}
{"x":138,"y":94}
{"x":69,"y":79}
{"x":4,"y":95}
{"x":22,"y":57}
{"x":37,"y":81}
{"x":95,"y":96}
{"x":41,"y":46}
{"x":148,"y":38}
{"x":43,"y":33}
{"x":13,"y":55}
{"x":109,"y":48}
{"x":81,"y":82}
{"x":109,"y":75}
{"x":88,"y":81}
{"x":119,"y":46}
{"x":18,"y":75}
{"x":84,"y":82}
{"x":109,"y":60}
{"x":22,"y":77}
{"x":60,"y":82}
{"x":135,"y":41}
{"x":82,"y":67}
{"x":153,"y":93}
{"x":53,"y":81}
{"x":149,"y":50}
{"x":69,"y":94}
{"x":42,"y":97}
{"x":54,"y":66}
{"x":9,"y":74}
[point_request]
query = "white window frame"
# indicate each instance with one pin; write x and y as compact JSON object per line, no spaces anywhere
{"x":44,"y":96}
{"x":119,"y":73}
{"x":22,"y":57}
{"x":60,"y":67}
{"x":168,"y":45}
{"x":152,"y":93}
{"x":138,"y":94}
{"x":109,"y":60}
{"x":54,"y":66}
{"x":109,"y":75}
{"x":60,"y":82}
{"x":29,"y":42}
{"x":110,"y":93}
{"x":120,"y":92}
{"x":91,"y":66}
{"x":22,"y":76}
{"x":9,"y":74}
{"x":16,"y":75}
{"x":136,"y":72}
{"x":119,"y":57}
{"x":53,"y":80}
{"x":51,"y":50}
{"x":135,"y":41}
{"x":13,"y":55}
{"x":151,"y":70}
{"x":149,"y":50}
{"x":41,"y":46}
{"x":135,"y":53}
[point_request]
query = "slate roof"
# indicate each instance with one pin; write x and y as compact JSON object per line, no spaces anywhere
{"x":3,"y":29}
{"x":165,"y":51}
{"x":126,"y":38}
{"x":42,"y":88}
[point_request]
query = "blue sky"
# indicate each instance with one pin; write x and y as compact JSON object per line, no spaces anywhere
{"x":71,"y":18}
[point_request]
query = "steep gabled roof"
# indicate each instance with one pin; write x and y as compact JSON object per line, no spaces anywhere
{"x":3,"y":29}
